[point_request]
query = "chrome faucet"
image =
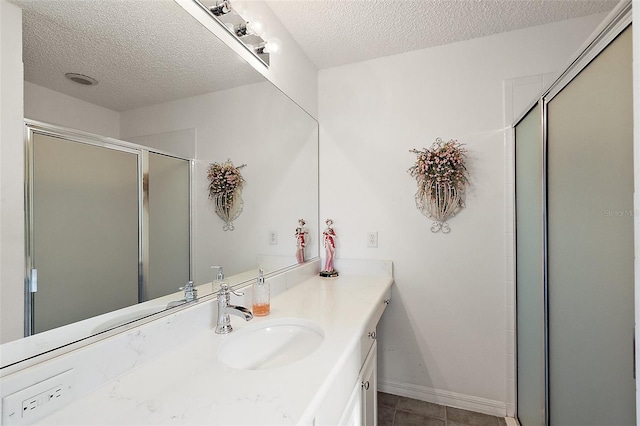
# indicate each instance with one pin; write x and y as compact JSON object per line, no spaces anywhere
{"x":224,"y":309}
{"x":190,"y":294}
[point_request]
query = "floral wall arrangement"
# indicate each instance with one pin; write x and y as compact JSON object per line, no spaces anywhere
{"x":442,"y":178}
{"x":225,"y":189}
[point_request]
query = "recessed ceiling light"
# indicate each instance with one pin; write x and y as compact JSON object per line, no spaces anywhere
{"x":81,"y":79}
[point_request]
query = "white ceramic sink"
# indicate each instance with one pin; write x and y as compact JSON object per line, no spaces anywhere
{"x":270,"y":344}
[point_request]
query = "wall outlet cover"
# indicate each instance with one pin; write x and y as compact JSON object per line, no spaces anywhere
{"x":372,"y":239}
{"x":36,"y":401}
{"x":273,"y":238}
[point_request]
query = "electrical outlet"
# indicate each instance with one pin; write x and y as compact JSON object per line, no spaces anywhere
{"x":273,"y":238}
{"x":37,"y":401}
{"x":372,"y":239}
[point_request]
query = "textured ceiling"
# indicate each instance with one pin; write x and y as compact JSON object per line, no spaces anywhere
{"x":141,"y":52}
{"x":144,"y":52}
{"x":338,"y":32}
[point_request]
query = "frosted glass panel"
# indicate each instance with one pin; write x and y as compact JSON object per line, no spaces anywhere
{"x":590,"y":208}
{"x":85,"y":230}
{"x":529,"y":270}
{"x":168,"y":225}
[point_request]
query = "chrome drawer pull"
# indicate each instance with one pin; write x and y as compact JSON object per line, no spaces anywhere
{"x":372,"y":334}
{"x":365,"y":385}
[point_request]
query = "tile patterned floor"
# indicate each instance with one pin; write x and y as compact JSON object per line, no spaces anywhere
{"x":396,"y":410}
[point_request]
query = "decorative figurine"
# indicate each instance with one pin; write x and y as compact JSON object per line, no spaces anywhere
{"x":301,"y":236}
{"x":329,"y":236}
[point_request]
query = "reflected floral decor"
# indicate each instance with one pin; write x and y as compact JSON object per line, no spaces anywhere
{"x":442,"y":178}
{"x":225,"y":189}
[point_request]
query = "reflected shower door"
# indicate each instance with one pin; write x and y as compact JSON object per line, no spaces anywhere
{"x":84,"y":232}
{"x":168,"y":210}
{"x":590,"y":244}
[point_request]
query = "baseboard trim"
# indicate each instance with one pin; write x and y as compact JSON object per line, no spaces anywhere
{"x":511,"y":421}
{"x":442,"y":397}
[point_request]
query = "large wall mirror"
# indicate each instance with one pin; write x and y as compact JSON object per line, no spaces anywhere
{"x":167,"y":89}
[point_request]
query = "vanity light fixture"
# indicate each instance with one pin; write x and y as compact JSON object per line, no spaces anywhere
{"x":221,"y":8}
{"x":273,"y":45}
{"x":85,"y":80}
{"x":249,"y":31}
{"x":255,"y":28}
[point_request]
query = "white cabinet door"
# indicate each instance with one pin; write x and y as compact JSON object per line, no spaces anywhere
{"x":352,"y":415}
{"x":369,"y":384}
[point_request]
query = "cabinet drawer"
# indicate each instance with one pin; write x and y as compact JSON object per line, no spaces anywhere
{"x":366,"y":341}
{"x":369,"y":335}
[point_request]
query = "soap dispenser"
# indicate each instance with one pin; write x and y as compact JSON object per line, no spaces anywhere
{"x":217,"y":283}
{"x":261,"y":296}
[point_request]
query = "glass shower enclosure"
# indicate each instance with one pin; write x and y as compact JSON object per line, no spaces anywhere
{"x":108,"y":226}
{"x":574,"y":243}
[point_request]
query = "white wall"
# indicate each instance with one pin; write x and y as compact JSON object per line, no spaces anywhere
{"x":181,"y":143}
{"x":444,"y":337}
{"x":254,"y":125}
{"x":11,"y":175}
{"x":53,"y":107}
{"x":291,"y":70}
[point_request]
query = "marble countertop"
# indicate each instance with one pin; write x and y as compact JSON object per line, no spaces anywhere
{"x":21,"y":349}
{"x":190,"y":386}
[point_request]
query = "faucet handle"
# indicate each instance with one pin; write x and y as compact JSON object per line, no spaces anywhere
{"x":225,"y":289}
{"x":187,"y":286}
{"x":190,"y":292}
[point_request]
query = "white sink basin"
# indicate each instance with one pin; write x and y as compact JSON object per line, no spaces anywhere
{"x":270,"y":344}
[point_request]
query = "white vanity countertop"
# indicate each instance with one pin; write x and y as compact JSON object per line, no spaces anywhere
{"x":21,"y":349}
{"x":190,"y":386}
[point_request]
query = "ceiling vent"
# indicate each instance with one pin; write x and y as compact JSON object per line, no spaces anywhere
{"x":81,"y":79}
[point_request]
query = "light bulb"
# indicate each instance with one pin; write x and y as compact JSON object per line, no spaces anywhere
{"x":221,"y":8}
{"x":256,"y":26}
{"x":273,"y":45}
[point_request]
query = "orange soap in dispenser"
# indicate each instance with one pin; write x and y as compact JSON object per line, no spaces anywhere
{"x":261,"y":296}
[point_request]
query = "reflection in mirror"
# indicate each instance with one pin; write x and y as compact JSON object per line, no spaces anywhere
{"x":250,"y":34}
{"x":166,"y":83}
{"x":84,"y":230}
{"x":108,"y":226}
